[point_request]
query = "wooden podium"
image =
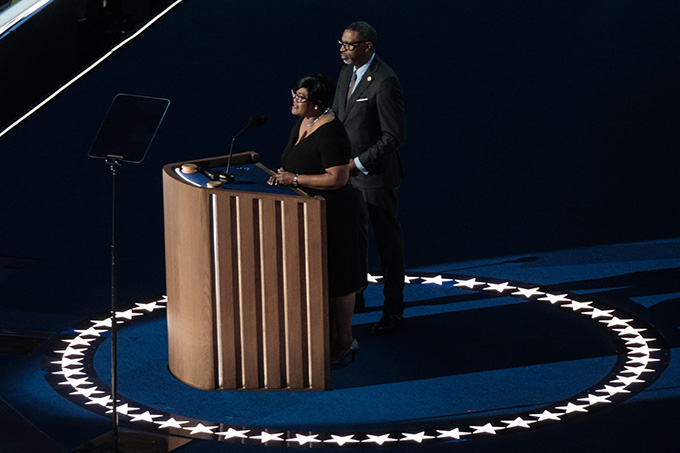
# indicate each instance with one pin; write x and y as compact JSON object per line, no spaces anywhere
{"x":246,"y":280}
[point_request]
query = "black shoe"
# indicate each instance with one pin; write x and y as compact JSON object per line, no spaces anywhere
{"x":349,"y":350}
{"x":387,"y":324}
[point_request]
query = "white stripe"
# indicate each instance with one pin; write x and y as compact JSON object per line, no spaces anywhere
{"x":88,"y":69}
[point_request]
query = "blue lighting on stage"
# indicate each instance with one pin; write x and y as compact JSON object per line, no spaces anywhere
{"x":640,"y":359}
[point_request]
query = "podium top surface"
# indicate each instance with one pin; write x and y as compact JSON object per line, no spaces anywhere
{"x":249,"y":175}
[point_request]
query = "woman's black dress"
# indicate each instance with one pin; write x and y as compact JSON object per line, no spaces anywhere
{"x":329,"y":146}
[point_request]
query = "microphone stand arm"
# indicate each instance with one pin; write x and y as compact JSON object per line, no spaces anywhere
{"x":228,"y":177}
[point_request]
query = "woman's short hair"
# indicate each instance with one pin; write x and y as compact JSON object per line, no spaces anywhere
{"x":319,"y":89}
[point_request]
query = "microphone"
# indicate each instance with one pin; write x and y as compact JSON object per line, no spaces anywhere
{"x":254,"y":121}
{"x":212,"y":175}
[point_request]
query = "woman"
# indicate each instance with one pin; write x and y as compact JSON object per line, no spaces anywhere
{"x":317,"y":160}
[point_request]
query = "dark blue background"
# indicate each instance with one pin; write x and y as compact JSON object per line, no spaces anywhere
{"x":532,"y":125}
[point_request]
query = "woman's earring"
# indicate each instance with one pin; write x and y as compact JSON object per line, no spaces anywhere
{"x":316,"y":107}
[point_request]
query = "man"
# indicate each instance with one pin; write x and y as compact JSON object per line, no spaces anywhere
{"x":369,"y":102}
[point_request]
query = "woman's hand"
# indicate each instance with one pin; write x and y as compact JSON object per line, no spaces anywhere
{"x":333,"y":178}
{"x":282,"y":178}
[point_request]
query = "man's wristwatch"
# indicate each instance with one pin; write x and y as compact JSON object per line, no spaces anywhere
{"x":295,"y":180}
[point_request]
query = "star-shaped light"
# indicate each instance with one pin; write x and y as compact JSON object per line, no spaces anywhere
{"x":124,"y":409}
{"x":148,"y":417}
{"x":170,"y":423}
{"x":91,"y":332}
{"x":71,"y":351}
{"x":488,"y":429}
{"x":527,"y":292}
{"x":231,"y":433}
{"x":418,"y":437}
{"x":612,"y":390}
{"x":637,"y":369}
{"x":102,"y":323}
{"x":452,"y":433}
{"x":201,"y":428}
{"x":571,"y":408}
{"x":616,"y":322}
{"x":626,"y":380}
{"x":629,"y":331}
{"x":373,"y":278}
{"x":554,"y":298}
{"x":268,"y":437}
{"x":597,"y":313}
{"x":303,"y":439}
{"x":127,"y":314}
{"x":68,"y":372}
{"x":151,"y":306}
{"x":642,"y":360}
{"x":102,"y":401}
{"x":638,"y":340}
{"x":79,"y":341}
{"x":498,"y":287}
{"x":644,"y":350}
{"x":86,"y":392}
{"x":379,"y":439}
{"x":77,"y":382}
{"x":594,"y":399}
{"x":408,"y":279}
{"x":519,"y":422}
{"x":438,"y":280}
{"x":546,"y":415}
{"x":468,"y":283}
{"x":576,"y":306}
{"x":68,"y":362}
{"x":342,"y":440}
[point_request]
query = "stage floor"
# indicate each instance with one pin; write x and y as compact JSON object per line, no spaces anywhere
{"x":540,"y":352}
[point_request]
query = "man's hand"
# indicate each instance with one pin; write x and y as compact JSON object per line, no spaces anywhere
{"x":353,"y":170}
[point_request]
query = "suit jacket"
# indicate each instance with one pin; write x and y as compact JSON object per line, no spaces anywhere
{"x":374,"y":120}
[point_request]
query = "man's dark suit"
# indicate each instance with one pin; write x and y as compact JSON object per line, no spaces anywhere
{"x":374,"y":120}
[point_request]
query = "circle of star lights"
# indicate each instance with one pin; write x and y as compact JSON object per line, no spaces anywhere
{"x":641,"y":358}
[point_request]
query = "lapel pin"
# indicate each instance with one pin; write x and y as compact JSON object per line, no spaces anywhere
{"x":369,"y":78}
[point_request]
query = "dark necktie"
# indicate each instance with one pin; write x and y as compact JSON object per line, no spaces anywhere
{"x":351,"y":86}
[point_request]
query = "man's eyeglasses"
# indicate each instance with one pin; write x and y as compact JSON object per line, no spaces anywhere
{"x":349,"y":45}
{"x":297,"y":98}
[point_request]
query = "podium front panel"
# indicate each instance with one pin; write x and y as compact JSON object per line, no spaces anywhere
{"x":246,"y":283}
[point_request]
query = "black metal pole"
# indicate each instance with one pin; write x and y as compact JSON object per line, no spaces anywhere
{"x":114,"y":162}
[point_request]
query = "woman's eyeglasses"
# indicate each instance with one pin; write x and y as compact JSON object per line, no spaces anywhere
{"x":297,"y":98}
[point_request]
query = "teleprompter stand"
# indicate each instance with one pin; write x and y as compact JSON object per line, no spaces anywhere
{"x":124,"y":136}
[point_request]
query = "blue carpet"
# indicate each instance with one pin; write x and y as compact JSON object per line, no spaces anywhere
{"x":390,"y":381}
{"x":463,"y":357}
